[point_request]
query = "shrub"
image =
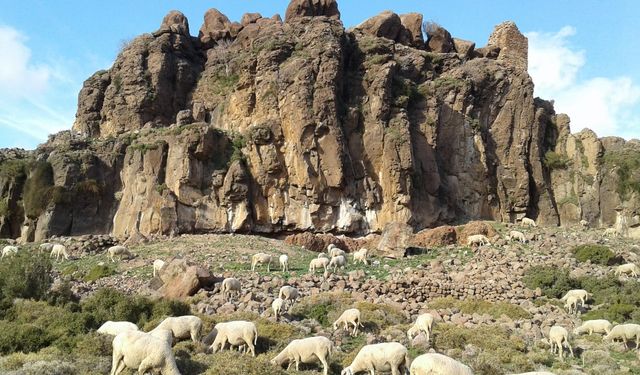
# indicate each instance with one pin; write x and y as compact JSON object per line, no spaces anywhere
{"x":4,"y":208}
{"x":553,"y":160}
{"x":553,"y":282}
{"x":597,"y":254}
{"x":21,"y":337}
{"x":37,"y":194}
{"x":470,"y":306}
{"x":89,"y":187}
{"x":14,"y":169}
{"x":25,"y":276}
{"x":110,"y":304}
{"x":98,"y":272}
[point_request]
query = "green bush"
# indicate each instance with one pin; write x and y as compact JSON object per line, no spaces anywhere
{"x":597,"y":254}
{"x":14,"y":168}
{"x":24,"y":276}
{"x":99,"y":271}
{"x":553,"y":160}
{"x":553,"y":282}
{"x":21,"y":337}
{"x":470,"y":306}
{"x":4,"y":208}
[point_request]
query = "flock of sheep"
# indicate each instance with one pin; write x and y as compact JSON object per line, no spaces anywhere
{"x":148,"y":351}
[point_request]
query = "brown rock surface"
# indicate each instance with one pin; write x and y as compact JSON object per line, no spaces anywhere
{"x":439,"y":39}
{"x":312,"y":8}
{"x":182,"y":279}
{"x":474,"y":227}
{"x":174,"y":22}
{"x":216,"y":26}
{"x":514,"y":47}
{"x":412,"y":33}
{"x":440,"y":236}
{"x":385,"y":25}
{"x":395,"y":239}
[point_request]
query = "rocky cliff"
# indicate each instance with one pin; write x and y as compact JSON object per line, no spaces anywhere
{"x":270,"y":126}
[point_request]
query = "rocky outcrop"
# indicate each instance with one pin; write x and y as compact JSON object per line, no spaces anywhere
{"x":268,"y":127}
{"x":312,"y":8}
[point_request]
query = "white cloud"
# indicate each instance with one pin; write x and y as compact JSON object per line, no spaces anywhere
{"x":606,"y":105}
{"x":19,"y":77}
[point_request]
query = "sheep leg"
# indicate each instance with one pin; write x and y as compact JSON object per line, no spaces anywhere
{"x":569,"y":346}
{"x":145,"y":366}
{"x":115,"y":362}
{"x":325,"y":365}
{"x":252,"y":348}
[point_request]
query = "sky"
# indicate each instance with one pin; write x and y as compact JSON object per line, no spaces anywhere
{"x":583,"y":54}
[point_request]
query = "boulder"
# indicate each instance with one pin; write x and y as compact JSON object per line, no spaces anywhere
{"x":184,"y":117}
{"x":182,"y":278}
{"x":411,"y":35}
{"x":386,"y":25}
{"x":464,"y":47}
{"x":514,"y":47}
{"x":440,"y":236}
{"x":489,"y":52}
{"x":312,"y":8}
{"x":248,"y":18}
{"x":439,"y":40}
{"x":395,"y":240}
{"x":174,"y":22}
{"x":216,"y":26}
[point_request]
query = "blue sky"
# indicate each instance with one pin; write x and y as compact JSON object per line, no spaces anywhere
{"x":583,"y":53}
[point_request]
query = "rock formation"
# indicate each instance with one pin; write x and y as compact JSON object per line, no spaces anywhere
{"x":263,"y":126}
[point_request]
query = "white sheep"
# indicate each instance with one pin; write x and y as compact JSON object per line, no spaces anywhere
{"x":59,"y":251}
{"x":423,"y":323}
{"x":610,"y":232}
{"x":438,"y":364}
{"x":318,"y":263}
{"x":572,"y":304}
{"x":626,"y":332}
{"x":528,"y":222}
{"x":9,"y":251}
{"x":277,"y":306}
{"x":238,"y":333}
{"x":349,"y":317}
{"x":517,"y":236}
{"x":386,"y":356}
{"x":284,"y":262}
{"x":46,"y":247}
{"x":230,"y":287}
{"x":581,"y":294}
{"x":118,"y":251}
{"x":114,"y":328}
{"x":307,"y":350}
{"x":557,"y":336}
{"x":337,"y":261}
{"x":261,"y":258}
{"x":289,"y":294}
{"x":591,"y":326}
{"x":157,"y":266}
{"x":322,"y":255}
{"x":478,"y":239}
{"x":144,"y":352}
{"x":335,"y":251}
{"x":361,"y":256}
{"x":629,"y":268}
{"x":182,"y":327}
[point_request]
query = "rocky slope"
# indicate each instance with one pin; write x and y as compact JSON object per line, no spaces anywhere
{"x":271,"y":126}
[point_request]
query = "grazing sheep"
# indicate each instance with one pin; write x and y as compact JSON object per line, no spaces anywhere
{"x":478,"y":239}
{"x":572,"y":304}
{"x":144,"y":352}
{"x":230,"y":286}
{"x":424,"y":323}
{"x":277,"y":306}
{"x":238,"y":333}
{"x":308,"y":350}
{"x":526,"y":222}
{"x":557,"y":336}
{"x":46,"y":247}
{"x":115,"y":328}
{"x":438,"y":364}
{"x":157,"y":266}
{"x":9,"y":251}
{"x":591,"y":326}
{"x":610,"y":232}
{"x":59,"y":251}
{"x":349,"y":317}
{"x":323,"y":255}
{"x":289,"y":294}
{"x":182,"y":327}
{"x":581,"y":294}
{"x":337,"y":261}
{"x":386,"y":356}
{"x":361,"y":256}
{"x":334,"y":252}
{"x":629,"y":268}
{"x":284,"y":262}
{"x":261,"y":258}
{"x":515,"y":235}
{"x":318,"y":263}
{"x":119,"y":251}
{"x":626,"y":332}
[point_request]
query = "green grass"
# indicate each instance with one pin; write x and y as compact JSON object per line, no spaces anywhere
{"x":470,"y":306}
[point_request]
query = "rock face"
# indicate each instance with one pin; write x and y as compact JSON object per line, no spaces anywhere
{"x":182,"y":279}
{"x":272,"y":127}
